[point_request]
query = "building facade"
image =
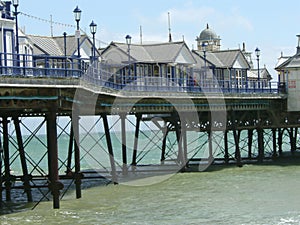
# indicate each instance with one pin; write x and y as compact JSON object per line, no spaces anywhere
{"x":145,"y":66}
{"x":233,"y":67}
{"x":288,"y":69}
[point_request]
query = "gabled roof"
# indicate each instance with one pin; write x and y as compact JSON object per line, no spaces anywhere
{"x":200,"y":60}
{"x":55,"y":45}
{"x":227,"y":57}
{"x":45,"y":45}
{"x":71,"y":43}
{"x":282,"y":60}
{"x":224,"y":58}
{"x":291,"y":62}
{"x":263,"y":73}
{"x":169,"y":52}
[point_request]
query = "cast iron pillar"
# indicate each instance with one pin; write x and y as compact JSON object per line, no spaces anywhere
{"x":226,"y":153}
{"x":124,"y":147}
{"x":78,"y":175}
{"x":274,"y":143}
{"x":54,"y":185}
{"x":70,"y":151}
{"x":236,"y":136}
{"x":7,"y":175}
{"x":250,"y":140}
{"x":110,"y":149}
{"x":260,"y":137}
{"x":26,"y":177}
{"x":280,"y":134}
{"x":293,"y":139}
{"x":136,"y":140}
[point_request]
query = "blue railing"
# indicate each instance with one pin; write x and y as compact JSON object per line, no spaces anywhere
{"x":101,"y":75}
{"x":40,"y":66}
{"x":106,"y":75}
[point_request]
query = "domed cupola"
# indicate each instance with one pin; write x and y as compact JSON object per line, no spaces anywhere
{"x":210,"y":39}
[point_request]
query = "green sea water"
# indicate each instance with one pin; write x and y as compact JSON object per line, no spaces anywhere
{"x":253,"y":194}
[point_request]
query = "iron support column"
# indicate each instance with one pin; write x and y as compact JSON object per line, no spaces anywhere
{"x":110,"y":149}
{"x":70,"y":151}
{"x":184,"y":142}
{"x":236,"y":135}
{"x":250,"y":140}
{"x":210,"y":146}
{"x":210,"y":137}
{"x":165,"y":132}
{"x":260,"y":137}
{"x":226,"y":154}
{"x":124,"y":147}
{"x":54,"y":185}
{"x":293,"y":137}
{"x":26,"y":177}
{"x":274,"y":143}
{"x":78,"y":175}
{"x":7,"y":175}
{"x":280,"y":133}
{"x":179,"y":142}
{"x":136,"y":140}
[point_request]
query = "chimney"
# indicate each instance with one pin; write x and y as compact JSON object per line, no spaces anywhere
{"x":298,"y":47}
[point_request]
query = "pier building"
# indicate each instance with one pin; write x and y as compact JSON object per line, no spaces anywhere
{"x":142,"y":109}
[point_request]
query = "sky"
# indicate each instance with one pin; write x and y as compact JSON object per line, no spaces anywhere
{"x":271,"y":26}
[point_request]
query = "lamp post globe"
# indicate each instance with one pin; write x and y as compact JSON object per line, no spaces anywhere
{"x":128,"y":42}
{"x":128,"y":39}
{"x":257,"y":53}
{"x":204,"y":45}
{"x":15,"y":3}
{"x":77,"y":14}
{"x":93,"y":29}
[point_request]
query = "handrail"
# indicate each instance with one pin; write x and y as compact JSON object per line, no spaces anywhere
{"x":110,"y":76}
{"x":40,"y":66}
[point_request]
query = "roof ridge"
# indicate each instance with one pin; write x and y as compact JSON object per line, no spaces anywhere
{"x":151,"y":44}
{"x":227,"y":50}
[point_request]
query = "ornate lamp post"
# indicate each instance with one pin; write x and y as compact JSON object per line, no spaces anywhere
{"x":16,"y":4}
{"x":93,"y":29}
{"x":77,"y":15}
{"x":204,"y":45}
{"x":257,"y":53}
{"x":128,"y":42}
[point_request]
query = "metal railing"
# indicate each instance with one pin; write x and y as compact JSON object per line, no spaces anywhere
{"x":110,"y":76}
{"x":101,"y":75}
{"x":23,"y":65}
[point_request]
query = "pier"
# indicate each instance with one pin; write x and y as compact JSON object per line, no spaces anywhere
{"x":182,"y":126}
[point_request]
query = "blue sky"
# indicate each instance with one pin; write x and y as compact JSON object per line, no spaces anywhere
{"x":271,"y":26}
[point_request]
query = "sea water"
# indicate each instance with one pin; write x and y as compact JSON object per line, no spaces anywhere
{"x":253,"y":194}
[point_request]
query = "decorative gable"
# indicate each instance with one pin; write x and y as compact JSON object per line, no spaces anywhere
{"x":185,"y":56}
{"x":240,"y":62}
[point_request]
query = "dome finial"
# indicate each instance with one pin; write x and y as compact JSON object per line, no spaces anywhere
{"x":207,"y":27}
